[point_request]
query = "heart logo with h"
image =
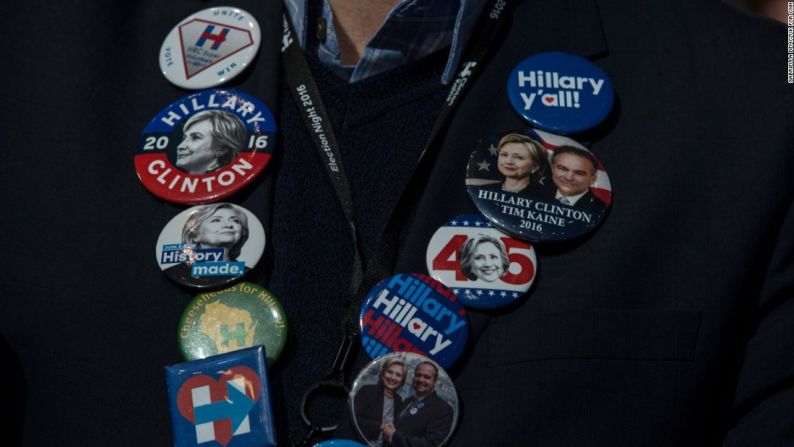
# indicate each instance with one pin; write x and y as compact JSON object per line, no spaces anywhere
{"x":219,"y":407}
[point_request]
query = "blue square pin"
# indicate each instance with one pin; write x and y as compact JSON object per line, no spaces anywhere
{"x":221,"y":400}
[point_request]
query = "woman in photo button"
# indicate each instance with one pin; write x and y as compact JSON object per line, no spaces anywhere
{"x":212,"y":226}
{"x":522,"y":162}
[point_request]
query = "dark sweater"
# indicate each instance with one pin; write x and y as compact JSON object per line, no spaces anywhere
{"x":382,"y":126}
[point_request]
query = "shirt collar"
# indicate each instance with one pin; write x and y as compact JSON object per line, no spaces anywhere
{"x":571,"y":199}
{"x":412,"y":30}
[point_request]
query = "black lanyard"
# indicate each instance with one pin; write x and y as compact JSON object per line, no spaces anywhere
{"x":307,"y":97}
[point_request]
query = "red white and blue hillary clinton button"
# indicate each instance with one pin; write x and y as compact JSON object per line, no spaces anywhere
{"x":484,"y":267}
{"x":209,"y":47}
{"x":538,"y":186}
{"x":211,"y":245}
{"x":413,"y":312}
{"x":205,"y":146}
{"x":560,"y":92}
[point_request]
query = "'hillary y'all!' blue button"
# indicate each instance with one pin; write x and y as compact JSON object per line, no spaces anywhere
{"x":560,"y":92}
{"x":413,"y":312}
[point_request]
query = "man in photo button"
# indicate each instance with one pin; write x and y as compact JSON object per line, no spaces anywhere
{"x":573,"y":173}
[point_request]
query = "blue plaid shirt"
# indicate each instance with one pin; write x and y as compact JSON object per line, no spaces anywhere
{"x":413,"y":29}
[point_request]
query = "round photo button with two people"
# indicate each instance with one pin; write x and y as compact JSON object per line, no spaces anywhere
{"x":209,"y":246}
{"x":404,"y":398}
{"x":538,"y":186}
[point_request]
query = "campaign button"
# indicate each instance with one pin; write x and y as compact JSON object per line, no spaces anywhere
{"x":413,"y":312}
{"x":241,"y":316}
{"x":209,"y":246}
{"x":484,"y":267}
{"x":404,"y":397}
{"x":560,"y":92}
{"x":538,"y":186}
{"x":224,"y":399}
{"x":209,"y":47}
{"x":205,"y":146}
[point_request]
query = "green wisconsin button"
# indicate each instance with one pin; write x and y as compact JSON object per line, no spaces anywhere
{"x":241,"y":316}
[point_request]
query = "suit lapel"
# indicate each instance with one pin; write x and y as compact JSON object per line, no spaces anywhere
{"x":571,"y":26}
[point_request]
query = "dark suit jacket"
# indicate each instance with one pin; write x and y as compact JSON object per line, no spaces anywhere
{"x":428,"y":426}
{"x":671,"y":325}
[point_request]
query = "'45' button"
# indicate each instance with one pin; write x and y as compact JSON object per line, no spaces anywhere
{"x":484,"y":267}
